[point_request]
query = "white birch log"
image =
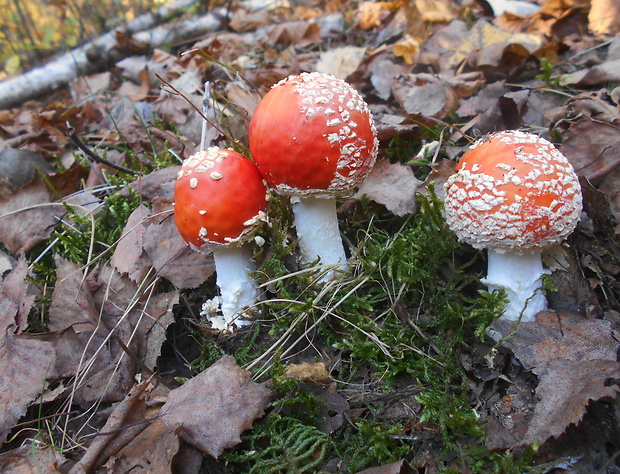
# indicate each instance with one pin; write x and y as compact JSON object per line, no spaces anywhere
{"x":90,"y":57}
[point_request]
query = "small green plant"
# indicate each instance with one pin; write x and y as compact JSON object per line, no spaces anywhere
{"x":82,"y":236}
{"x":301,"y":404}
{"x":370,"y":445}
{"x":280,"y":444}
{"x":547,"y":76}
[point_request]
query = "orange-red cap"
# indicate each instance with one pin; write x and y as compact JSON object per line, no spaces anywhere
{"x":513,"y":190}
{"x":313,"y":134}
{"x":220,"y":199}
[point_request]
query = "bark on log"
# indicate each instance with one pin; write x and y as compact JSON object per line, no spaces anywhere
{"x":95,"y":55}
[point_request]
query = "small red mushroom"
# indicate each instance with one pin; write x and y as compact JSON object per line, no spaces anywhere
{"x":514,"y":194}
{"x":220,"y":200}
{"x":312,"y":137}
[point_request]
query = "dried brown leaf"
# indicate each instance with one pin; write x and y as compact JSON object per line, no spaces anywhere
{"x":30,"y":459}
{"x":6,"y":263}
{"x":307,"y":372}
{"x":398,"y":467}
{"x":128,"y":251}
{"x":173,"y":259}
{"x":26,"y":361}
{"x":331,"y":415}
{"x":31,"y":219}
{"x":483,"y":100}
{"x":15,"y":300}
{"x":158,"y":184}
{"x":506,"y":114}
{"x":72,"y":303}
{"x":604,"y":17}
{"x":153,"y":450}
{"x":370,"y":14}
{"x":390,"y":126}
{"x":564,"y":336}
{"x":565,"y":390}
{"x":383,"y":70}
{"x":593,"y":146}
{"x":425,"y":95}
{"x":407,"y":48}
{"x":393,"y":185}
{"x":436,"y":11}
{"x":480,"y":35}
{"x":340,"y":62}
{"x":18,"y":167}
{"x":160,"y":317}
{"x":211,"y":410}
{"x":300,"y":33}
{"x":25,"y":364}
{"x":130,"y":439}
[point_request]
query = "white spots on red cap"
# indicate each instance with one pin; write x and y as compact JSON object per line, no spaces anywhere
{"x":541,"y":208}
{"x":199,"y":216}
{"x":333,"y":137}
{"x":329,"y":97}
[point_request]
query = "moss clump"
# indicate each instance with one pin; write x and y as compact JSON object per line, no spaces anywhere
{"x":405,"y":313}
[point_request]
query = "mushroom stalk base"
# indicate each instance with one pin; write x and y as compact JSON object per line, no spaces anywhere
{"x":238,"y":290}
{"x":519,"y":274}
{"x":316,"y":221}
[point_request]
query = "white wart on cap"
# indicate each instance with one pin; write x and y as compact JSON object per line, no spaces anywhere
{"x":515,"y":191}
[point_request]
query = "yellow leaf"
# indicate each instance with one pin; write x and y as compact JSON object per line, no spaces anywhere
{"x":369,"y":15}
{"x":408,"y":48}
{"x":12,"y":64}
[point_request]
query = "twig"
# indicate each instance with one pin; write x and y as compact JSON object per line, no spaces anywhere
{"x":92,"y":155}
{"x":173,"y":90}
{"x":206,"y":106}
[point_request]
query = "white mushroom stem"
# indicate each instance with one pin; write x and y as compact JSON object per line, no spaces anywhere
{"x":316,"y":221}
{"x":519,"y":273}
{"x":238,"y":291}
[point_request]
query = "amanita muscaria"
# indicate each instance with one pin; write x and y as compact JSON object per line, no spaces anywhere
{"x":514,"y":194}
{"x":220,"y":200}
{"x":313,"y":138}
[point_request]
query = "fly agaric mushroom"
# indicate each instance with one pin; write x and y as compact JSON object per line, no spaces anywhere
{"x":220,"y":200}
{"x":514,"y":194}
{"x":312,"y":137}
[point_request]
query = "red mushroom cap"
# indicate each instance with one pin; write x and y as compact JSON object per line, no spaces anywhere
{"x":313,"y":134}
{"x":220,"y":199}
{"x":513,"y":190}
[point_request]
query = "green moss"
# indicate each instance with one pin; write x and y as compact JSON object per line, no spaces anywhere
{"x":369,"y":444}
{"x":82,"y":237}
{"x":407,"y":310}
{"x":280,"y":444}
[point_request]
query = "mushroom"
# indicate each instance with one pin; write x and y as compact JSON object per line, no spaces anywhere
{"x":514,"y":194}
{"x":312,"y":137}
{"x":220,"y":200}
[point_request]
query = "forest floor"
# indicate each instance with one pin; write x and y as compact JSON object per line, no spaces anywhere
{"x":108,"y":365}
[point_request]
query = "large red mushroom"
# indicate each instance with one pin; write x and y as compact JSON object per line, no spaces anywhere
{"x":514,"y":194}
{"x":313,"y":138}
{"x":220,"y":200}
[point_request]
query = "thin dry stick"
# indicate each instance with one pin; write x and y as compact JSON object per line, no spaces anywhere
{"x":206,"y":107}
{"x":329,"y":311}
{"x":115,"y":422}
{"x":284,"y":338}
{"x":84,"y":366}
{"x":92,"y":155}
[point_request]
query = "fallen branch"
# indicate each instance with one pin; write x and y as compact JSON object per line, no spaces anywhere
{"x":92,"y":155}
{"x":95,"y":55}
